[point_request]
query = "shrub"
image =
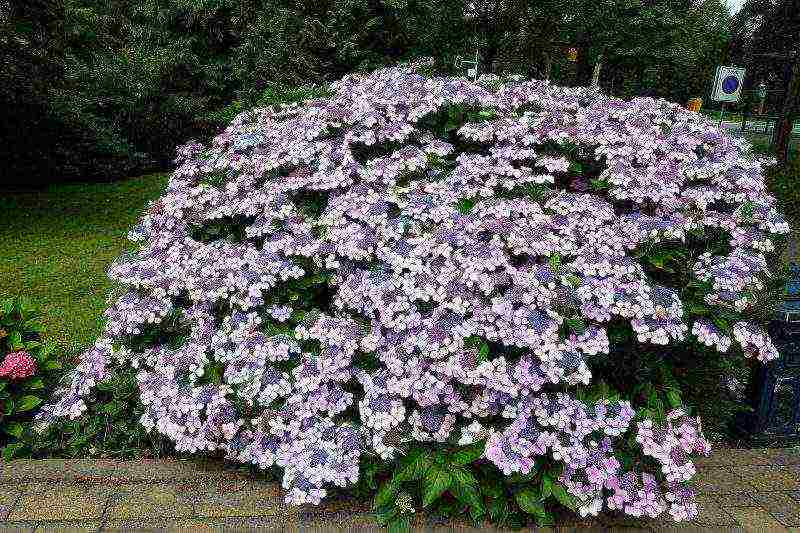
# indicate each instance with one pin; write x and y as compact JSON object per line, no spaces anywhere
{"x":109,"y":428}
{"x":27,"y":371}
{"x":782,"y":182}
{"x":469,"y":297}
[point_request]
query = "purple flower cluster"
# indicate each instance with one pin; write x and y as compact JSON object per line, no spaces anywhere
{"x":411,"y":278}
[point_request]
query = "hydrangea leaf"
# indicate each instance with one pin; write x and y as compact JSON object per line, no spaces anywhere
{"x":437,"y":481}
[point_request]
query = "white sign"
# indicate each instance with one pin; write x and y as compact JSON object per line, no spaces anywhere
{"x":728,"y":84}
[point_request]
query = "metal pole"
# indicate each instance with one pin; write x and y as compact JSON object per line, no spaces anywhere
{"x":721,"y":113}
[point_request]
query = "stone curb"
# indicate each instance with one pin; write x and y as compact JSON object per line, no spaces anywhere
{"x":738,"y":490}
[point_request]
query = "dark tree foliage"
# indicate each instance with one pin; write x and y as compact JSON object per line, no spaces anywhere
{"x":103,"y":88}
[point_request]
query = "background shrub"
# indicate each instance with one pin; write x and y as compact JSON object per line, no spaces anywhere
{"x":104,"y":89}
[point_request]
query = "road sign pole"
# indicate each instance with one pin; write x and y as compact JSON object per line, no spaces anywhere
{"x":727,"y":87}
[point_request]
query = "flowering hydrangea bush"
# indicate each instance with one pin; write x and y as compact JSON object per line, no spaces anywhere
{"x":28,"y":368}
{"x":427,"y":261}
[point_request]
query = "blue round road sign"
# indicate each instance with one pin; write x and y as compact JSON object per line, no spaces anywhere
{"x":730,"y":84}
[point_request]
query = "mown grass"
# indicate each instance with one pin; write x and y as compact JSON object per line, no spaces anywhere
{"x":55,"y":246}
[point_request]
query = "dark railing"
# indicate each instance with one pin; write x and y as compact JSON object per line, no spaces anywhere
{"x":776,"y":394}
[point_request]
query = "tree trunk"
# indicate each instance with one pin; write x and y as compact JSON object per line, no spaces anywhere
{"x":596,"y":73}
{"x":548,"y":65}
{"x":783,"y":129}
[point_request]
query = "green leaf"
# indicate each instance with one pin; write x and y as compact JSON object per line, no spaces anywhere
{"x":519,"y":479}
{"x":15,"y":429}
{"x":674,"y":398}
{"x":413,"y":466}
{"x":10,"y":450}
{"x":34,"y":384}
{"x":465,"y":489}
{"x":26,"y":403}
{"x":465,"y":205}
{"x":51,"y":364}
{"x":483,"y":352}
{"x":112,"y":408}
{"x":15,"y":340}
{"x":467,"y":454}
{"x":34,"y":326}
{"x":563,"y":497}
{"x":492,"y":487}
{"x":530,"y":501}
{"x":401,"y":524}
{"x":547,"y":487}
{"x":31,"y":345}
{"x":437,"y":481}
{"x":577,"y":325}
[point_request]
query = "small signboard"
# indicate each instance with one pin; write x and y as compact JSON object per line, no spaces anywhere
{"x":728,"y":84}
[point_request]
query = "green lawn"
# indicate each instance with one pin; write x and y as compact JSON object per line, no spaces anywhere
{"x":56,"y":243}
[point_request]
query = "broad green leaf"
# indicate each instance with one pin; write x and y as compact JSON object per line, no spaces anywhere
{"x":112,"y":408}
{"x":530,"y":501}
{"x":543,"y":519}
{"x":465,"y":489}
{"x":11,"y":449}
{"x":483,"y":352}
{"x":674,"y":399}
{"x":492,"y":487}
{"x":15,"y":340}
{"x":34,"y":325}
{"x":26,"y":403}
{"x":437,"y":481}
{"x":547,"y":487}
{"x":34,"y":384}
{"x":519,"y":479}
{"x":563,"y":497}
{"x":15,"y":429}
{"x":31,"y":345}
{"x":52,"y":364}
{"x":467,"y":454}
{"x":401,"y":524}
{"x":415,"y":466}
{"x":412,"y":466}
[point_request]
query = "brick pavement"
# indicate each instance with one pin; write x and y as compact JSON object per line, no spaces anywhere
{"x":739,"y":490}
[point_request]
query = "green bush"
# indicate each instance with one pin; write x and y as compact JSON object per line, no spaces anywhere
{"x":784,"y":183}
{"x":22,"y":390}
{"x":109,"y":428}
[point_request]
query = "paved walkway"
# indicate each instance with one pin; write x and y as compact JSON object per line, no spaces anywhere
{"x":740,"y":490}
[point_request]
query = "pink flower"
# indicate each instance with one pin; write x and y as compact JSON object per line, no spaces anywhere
{"x":18,"y":365}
